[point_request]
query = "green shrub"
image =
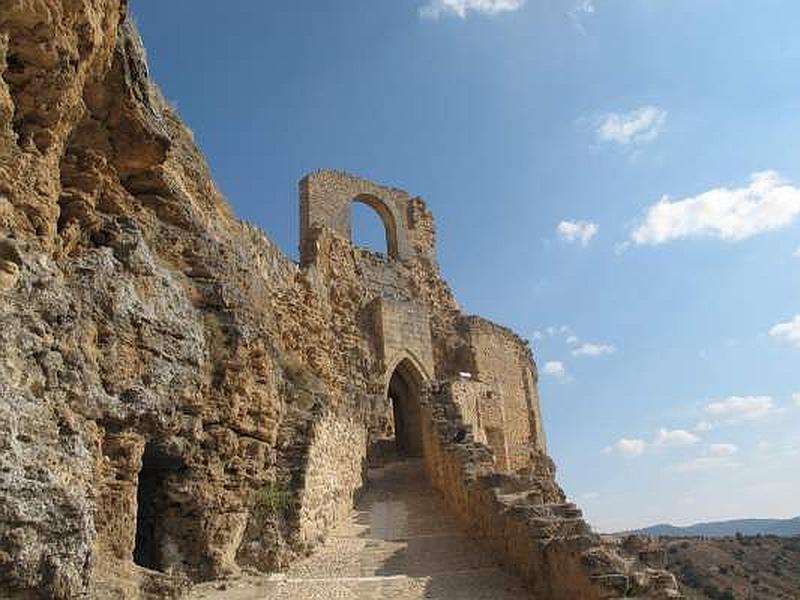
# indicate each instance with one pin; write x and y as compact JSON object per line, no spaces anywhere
{"x":273,"y":500}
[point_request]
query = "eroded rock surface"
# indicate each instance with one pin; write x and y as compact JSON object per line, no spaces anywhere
{"x":179,"y":400}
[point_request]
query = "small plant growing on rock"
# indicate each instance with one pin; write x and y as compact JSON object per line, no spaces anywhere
{"x":272,"y":500}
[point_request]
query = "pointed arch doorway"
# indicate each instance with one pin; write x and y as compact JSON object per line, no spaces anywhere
{"x":404,"y":390}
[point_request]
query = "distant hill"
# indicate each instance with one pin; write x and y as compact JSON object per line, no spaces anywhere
{"x":731,"y":568}
{"x":780,"y":527}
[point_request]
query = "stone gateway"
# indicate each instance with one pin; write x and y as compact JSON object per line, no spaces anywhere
{"x":180,"y":401}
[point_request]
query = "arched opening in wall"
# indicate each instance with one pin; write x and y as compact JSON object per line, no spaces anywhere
{"x":372,"y":226}
{"x":152,"y":504}
{"x":404,"y":391}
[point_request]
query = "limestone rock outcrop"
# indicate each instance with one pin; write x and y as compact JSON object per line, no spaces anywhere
{"x":179,"y":400}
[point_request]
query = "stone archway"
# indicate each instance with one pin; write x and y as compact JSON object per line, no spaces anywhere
{"x":326,"y":199}
{"x":386,"y":217}
{"x":403,"y":391}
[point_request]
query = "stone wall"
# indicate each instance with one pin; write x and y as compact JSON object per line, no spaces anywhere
{"x":423,"y":231}
{"x":334,"y":474}
{"x":382,"y":276}
{"x":525,"y":521}
{"x":404,"y":330}
{"x":463,"y":472}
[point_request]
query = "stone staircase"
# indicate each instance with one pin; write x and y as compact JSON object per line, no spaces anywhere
{"x":398,"y":543}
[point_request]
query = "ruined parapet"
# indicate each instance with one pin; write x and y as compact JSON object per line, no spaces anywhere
{"x":325,"y":200}
{"x":482,"y":409}
{"x":526,"y":521}
{"x":500,"y":358}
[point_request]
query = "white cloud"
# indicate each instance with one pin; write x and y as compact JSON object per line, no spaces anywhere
{"x":796,"y":253}
{"x":705,"y":463}
{"x":555,"y":368}
{"x":633,"y":128}
{"x":716,"y":456}
{"x":588,"y":349}
{"x":627,"y":447}
{"x":590,"y":496}
{"x":664,"y":438}
{"x":564,"y":330}
{"x":581,"y":10}
{"x":789,"y":331}
{"x":730,"y":214}
{"x":577,"y":231}
{"x":722,"y":450}
{"x":461,"y":8}
{"x":704,"y":426}
{"x":778,"y":450}
{"x":746,"y":408}
{"x":572,"y":340}
{"x":676,"y":437}
{"x":586,"y":7}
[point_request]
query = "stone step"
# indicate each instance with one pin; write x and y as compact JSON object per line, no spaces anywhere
{"x":399,"y":542}
{"x":417,"y":556}
{"x":476,"y":584}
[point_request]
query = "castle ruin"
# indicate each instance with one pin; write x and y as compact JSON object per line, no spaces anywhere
{"x":179,"y":400}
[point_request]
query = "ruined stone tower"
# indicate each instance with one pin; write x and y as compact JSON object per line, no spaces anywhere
{"x":496,"y":388}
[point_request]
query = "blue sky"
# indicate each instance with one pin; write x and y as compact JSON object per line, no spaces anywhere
{"x":619,"y":181}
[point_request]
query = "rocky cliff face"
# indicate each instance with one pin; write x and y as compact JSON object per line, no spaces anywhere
{"x":132,"y":329}
{"x":142,"y":324}
{"x":174,"y":391}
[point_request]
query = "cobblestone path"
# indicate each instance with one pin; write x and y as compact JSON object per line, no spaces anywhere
{"x":399,"y":543}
